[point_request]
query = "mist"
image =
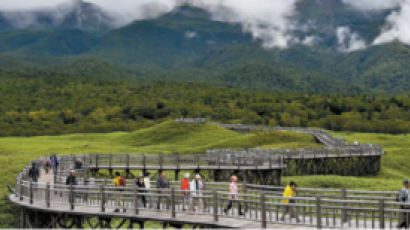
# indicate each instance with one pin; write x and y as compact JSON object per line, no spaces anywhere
{"x":270,"y":21}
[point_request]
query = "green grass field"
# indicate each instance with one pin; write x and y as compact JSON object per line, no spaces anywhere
{"x":170,"y":137}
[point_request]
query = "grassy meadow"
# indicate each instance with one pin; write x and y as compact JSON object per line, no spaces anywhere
{"x":170,"y":137}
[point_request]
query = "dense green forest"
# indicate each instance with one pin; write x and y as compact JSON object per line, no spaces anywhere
{"x":36,"y":102}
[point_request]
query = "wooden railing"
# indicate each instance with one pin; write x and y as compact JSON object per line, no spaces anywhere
{"x":261,"y":204}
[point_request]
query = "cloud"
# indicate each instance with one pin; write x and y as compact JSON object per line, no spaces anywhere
{"x":190,"y":34}
{"x":398,"y":26}
{"x":349,"y":41}
{"x":267,"y":20}
{"x":373,"y":4}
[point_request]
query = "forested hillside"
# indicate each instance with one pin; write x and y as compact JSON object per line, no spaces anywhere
{"x":36,"y":102}
{"x":189,"y":45}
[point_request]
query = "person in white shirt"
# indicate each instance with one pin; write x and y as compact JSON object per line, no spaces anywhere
{"x":195,"y":187}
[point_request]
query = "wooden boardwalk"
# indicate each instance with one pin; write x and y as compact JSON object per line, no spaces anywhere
{"x":94,"y":204}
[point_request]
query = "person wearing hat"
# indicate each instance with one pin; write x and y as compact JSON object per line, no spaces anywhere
{"x":404,"y":199}
{"x":185,"y":190}
{"x":233,"y":196}
{"x":141,"y":189}
{"x":195,"y":188}
{"x":290,"y":191}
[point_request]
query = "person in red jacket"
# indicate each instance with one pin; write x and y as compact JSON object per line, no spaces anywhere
{"x":185,"y":189}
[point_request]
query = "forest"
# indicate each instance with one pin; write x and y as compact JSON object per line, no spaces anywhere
{"x":36,"y":102}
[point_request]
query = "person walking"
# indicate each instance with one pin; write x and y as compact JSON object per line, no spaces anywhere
{"x":47,"y":164}
{"x":55,"y":162}
{"x":78,"y":164}
{"x":71,"y":179}
{"x":196,"y":187}
{"x":290,"y":191}
{"x":234,"y":196}
{"x":185,"y":190}
{"x":404,"y":199}
{"x":162,"y":185}
{"x":119,"y":183}
{"x":34,"y":172}
{"x":141,"y":189}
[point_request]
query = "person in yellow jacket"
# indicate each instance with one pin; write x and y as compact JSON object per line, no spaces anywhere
{"x":290,"y":191}
{"x":119,"y":183}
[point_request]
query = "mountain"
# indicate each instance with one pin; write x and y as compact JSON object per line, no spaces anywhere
{"x":177,"y":38}
{"x":188,"y":44}
{"x":75,"y":15}
{"x":46,"y":43}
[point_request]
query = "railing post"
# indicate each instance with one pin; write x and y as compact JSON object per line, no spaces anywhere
{"x":270,"y":162}
{"x":31,"y":192}
{"x":127,"y":168}
{"x":20,"y":184}
{"x":71,"y":197}
{"x":263,"y":210}
{"x":96,"y":160}
{"x":47,"y":194}
{"x":381,"y":214}
{"x":318,"y":212}
{"x":215,"y":204}
{"x":136,"y":200}
{"x":344,"y":211}
{"x":102,"y":189}
{"x":160,"y":161}
{"x":173,"y":213}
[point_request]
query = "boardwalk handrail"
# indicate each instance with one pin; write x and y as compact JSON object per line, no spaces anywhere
{"x":262,"y":204}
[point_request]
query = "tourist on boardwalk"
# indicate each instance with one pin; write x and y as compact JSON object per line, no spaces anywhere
{"x":290,"y":191}
{"x":120,"y":184}
{"x":185,"y":190}
{"x":233,"y":196}
{"x":196,"y":187}
{"x":71,"y":180}
{"x":34,"y":172}
{"x":404,"y":197}
{"x":162,"y":185}
{"x":55,"y":161}
{"x":147,"y":180}
{"x":47,"y":164}
{"x":78,"y":163}
{"x":141,"y":189}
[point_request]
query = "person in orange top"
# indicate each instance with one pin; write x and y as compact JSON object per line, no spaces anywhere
{"x":185,"y":189}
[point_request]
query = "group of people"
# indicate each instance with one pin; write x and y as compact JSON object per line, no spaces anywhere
{"x":192,"y":190}
{"x":48,"y":162}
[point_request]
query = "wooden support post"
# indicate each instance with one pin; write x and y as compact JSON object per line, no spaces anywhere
{"x":160,"y":161}
{"x":72,"y":197}
{"x":127,"y":165}
{"x":197,"y":161}
{"x":31,"y":192}
{"x":144,"y":162}
{"x":173,"y":212}
{"x":110,"y":166}
{"x":381,"y":214}
{"x":20,"y":184}
{"x":344,"y":211}
{"x":215,"y":205}
{"x":136,"y":200}
{"x":96,"y":160}
{"x":47,"y":195}
{"x":218,"y":158}
{"x":318,"y":212}
{"x":23,"y":218}
{"x":270,"y":162}
{"x":263,"y":210}
{"x":103,"y":198}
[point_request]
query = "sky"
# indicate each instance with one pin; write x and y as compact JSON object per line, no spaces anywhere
{"x":268,"y":20}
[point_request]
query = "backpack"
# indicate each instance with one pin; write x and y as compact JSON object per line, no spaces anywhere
{"x":122,"y":182}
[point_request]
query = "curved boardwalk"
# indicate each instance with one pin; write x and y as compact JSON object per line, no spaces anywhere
{"x":91,"y":203}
